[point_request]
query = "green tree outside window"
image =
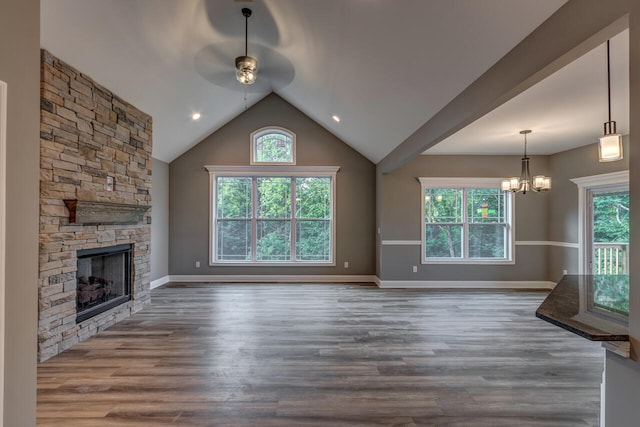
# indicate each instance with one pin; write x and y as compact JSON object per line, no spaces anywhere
{"x":465,"y":223}
{"x":280,"y":202}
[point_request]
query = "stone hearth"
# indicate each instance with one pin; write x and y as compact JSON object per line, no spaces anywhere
{"x":94,"y":147}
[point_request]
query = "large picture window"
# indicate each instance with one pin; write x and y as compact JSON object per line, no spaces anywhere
{"x":261,"y":215}
{"x":466,"y":221}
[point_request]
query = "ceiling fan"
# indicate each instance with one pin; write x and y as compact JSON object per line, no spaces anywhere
{"x":246,"y":66}
{"x":224,"y":65}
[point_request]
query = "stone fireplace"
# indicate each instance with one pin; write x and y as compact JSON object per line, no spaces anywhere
{"x":95,"y":181}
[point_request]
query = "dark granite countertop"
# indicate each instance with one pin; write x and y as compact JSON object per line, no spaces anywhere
{"x":594,"y":307}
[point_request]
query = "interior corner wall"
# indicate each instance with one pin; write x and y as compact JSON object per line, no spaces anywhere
{"x":563,"y":212}
{"x":622,"y":400}
{"x":400,"y":221}
{"x":20,"y":70}
{"x":159,"y":220}
{"x":230,"y":145}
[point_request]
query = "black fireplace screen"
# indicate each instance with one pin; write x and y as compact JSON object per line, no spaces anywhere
{"x":103,"y":280}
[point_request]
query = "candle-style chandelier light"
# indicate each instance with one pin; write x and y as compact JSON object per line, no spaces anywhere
{"x":525,"y":182}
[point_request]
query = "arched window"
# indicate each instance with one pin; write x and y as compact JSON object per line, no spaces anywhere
{"x":273,"y":146}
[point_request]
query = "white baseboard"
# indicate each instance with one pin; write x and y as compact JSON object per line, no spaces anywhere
{"x":159,"y":282}
{"x":387,"y":284}
{"x":258,"y":278}
{"x":463,"y":284}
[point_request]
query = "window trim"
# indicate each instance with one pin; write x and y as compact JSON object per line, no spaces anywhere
{"x":253,"y":138}
{"x":457,"y":182}
{"x":270,"y":170}
{"x":585,"y":184}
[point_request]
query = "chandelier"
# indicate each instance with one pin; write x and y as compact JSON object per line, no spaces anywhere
{"x":246,"y":66}
{"x":525,"y":182}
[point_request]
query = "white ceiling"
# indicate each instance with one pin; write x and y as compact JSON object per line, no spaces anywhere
{"x":566,"y":110}
{"x":384,"y":66}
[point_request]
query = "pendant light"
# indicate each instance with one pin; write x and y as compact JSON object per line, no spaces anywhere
{"x":610,"y":145}
{"x":525,"y":183}
{"x":246,"y":66}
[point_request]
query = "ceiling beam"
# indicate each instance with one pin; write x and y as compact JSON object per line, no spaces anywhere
{"x":573,"y":30}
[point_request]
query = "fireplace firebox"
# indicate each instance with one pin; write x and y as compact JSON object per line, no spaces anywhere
{"x":103,"y":280}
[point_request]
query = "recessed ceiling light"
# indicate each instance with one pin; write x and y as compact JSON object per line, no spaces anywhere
{"x":336,"y":118}
{"x":195,"y":116}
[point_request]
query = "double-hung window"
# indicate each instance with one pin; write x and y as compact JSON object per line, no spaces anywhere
{"x":272,"y":215}
{"x":468,"y":221}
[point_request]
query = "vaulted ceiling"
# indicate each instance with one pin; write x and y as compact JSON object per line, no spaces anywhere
{"x":384,"y":67}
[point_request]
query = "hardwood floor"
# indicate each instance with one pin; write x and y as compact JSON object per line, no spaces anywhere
{"x":326,"y":355}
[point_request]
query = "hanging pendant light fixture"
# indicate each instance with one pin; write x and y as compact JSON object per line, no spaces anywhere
{"x":525,"y":182}
{"x":610,"y":145}
{"x":246,"y":66}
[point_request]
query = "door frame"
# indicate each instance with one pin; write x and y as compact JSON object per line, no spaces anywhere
{"x":586,"y":184}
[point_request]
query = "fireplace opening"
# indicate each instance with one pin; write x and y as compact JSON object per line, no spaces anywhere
{"x":103,"y":280}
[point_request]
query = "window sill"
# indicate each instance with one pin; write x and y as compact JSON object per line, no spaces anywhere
{"x":469,"y":262}
{"x":272,"y":264}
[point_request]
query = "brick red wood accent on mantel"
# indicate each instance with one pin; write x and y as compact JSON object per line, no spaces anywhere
{"x":87,"y":133}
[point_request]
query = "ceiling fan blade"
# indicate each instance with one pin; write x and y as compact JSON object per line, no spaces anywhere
{"x":225,"y":17}
{"x":216,"y":64}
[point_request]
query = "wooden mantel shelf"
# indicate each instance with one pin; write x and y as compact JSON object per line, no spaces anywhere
{"x":92,"y":212}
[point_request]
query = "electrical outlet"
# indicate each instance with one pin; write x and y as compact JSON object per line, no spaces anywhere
{"x":564,"y":272}
{"x":346,"y":264}
{"x":415,"y":268}
{"x":197,"y":264}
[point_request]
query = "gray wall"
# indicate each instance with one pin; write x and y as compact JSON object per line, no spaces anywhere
{"x":399,"y":205}
{"x":623,"y":376}
{"x":189,"y":190}
{"x":563,"y":212}
{"x":621,"y":391}
{"x":159,"y":219}
{"x":20,"y":69}
{"x":539,"y":217}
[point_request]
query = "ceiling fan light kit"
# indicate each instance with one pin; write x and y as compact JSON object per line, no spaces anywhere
{"x":525,"y":182}
{"x":246,"y":70}
{"x":610,"y":145}
{"x":246,"y":66}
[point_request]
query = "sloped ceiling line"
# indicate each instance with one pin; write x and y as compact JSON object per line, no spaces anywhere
{"x":384,"y":66}
{"x":572,"y":31}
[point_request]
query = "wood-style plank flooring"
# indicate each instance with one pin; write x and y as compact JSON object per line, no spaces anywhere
{"x":326,"y":355}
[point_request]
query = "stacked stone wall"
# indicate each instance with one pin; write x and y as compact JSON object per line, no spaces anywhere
{"x":87,"y":134}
